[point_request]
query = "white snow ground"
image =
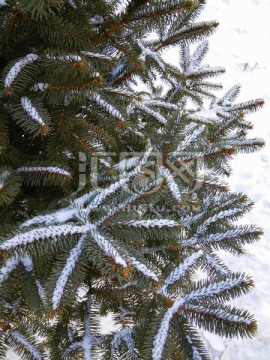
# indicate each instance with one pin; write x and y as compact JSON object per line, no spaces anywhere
{"x":241,"y":46}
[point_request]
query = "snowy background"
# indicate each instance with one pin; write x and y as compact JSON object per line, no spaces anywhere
{"x":241,"y":46}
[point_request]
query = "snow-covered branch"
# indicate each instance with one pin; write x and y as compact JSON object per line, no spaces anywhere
{"x":16,"y":68}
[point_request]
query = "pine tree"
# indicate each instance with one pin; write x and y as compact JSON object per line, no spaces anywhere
{"x":112,"y":190}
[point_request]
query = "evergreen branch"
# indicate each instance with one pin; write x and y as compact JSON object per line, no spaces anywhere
{"x":179,"y":272}
{"x":92,"y":152}
{"x":62,"y":215}
{"x":107,"y":247}
{"x":106,"y":106}
{"x":215,"y":264}
{"x":97,"y":80}
{"x":195,"y":351}
{"x":233,"y":286}
{"x":41,"y":234}
{"x":219,"y":216}
{"x":229,"y":318}
{"x":249,"y":106}
{"x":8,"y":267}
{"x":96,"y":55}
{"x":172,"y":185}
{"x":228,"y":151}
{"x":147,"y":110}
{"x":243,"y":232}
{"x":19,"y":338}
{"x":125,"y":335}
{"x":10,"y":186}
{"x":11,"y":25}
{"x":160,"y":223}
{"x":148,"y":273}
{"x":60,"y":96}
{"x":121,"y":207}
{"x":215,"y":184}
{"x":17,"y":67}
{"x":66,"y":272}
{"x":123,"y":93}
{"x":127,"y":55}
{"x":189,"y":32}
{"x":235,"y":283}
{"x":60,"y":27}
{"x":115,"y":27}
{"x":162,"y":10}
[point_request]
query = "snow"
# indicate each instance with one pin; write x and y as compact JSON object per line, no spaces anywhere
{"x":151,"y":223}
{"x":8,"y":267}
{"x":117,"y":69}
{"x":161,"y":104}
{"x":27,"y":262}
{"x":107,"y":247}
{"x":173,"y":187}
{"x":162,"y":334}
{"x":125,"y":334}
{"x":216,"y":288}
{"x":31,"y":348}
{"x":70,"y":333}
{"x":143,"y":269}
{"x":221,"y":215}
{"x":31,"y":110}
{"x":41,"y":292}
{"x":189,"y":139}
{"x":143,"y":160}
{"x":3,"y":176}
{"x":66,"y":272}
{"x":127,"y":201}
{"x":126,"y":164}
{"x":105,"y":163}
{"x":196,"y":354}
{"x":41,"y":234}
{"x":45,"y":169}
{"x":204,"y":70}
{"x":211,"y":115}
{"x":39,"y":87}
{"x":87,"y":342}
{"x":179,"y":272}
{"x":108,"y":107}
{"x":96,"y":55}
{"x":15,"y":70}
{"x":214,"y":264}
{"x":88,"y":339}
{"x":147,"y":110}
{"x":125,"y":313}
{"x":96,"y":20}
{"x":147,"y":52}
{"x":72,"y":4}
{"x":65,"y":58}
{"x":60,"y":216}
